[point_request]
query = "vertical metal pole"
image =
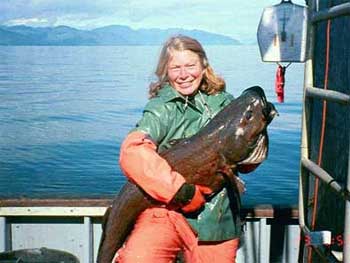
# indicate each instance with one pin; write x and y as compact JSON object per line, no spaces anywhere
{"x":308,"y":82}
{"x":264,"y":251}
{"x":88,"y":251}
{"x":291,"y":244}
{"x":3,"y":234}
{"x":346,"y":248}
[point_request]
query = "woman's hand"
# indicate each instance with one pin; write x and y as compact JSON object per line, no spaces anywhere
{"x":195,"y":203}
{"x":189,"y":198}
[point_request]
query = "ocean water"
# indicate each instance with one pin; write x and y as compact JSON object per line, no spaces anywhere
{"x":65,"y":110}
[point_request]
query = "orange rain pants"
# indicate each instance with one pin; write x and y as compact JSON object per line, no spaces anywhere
{"x":159,"y":234}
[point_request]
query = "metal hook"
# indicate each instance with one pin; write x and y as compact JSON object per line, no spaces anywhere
{"x":279,"y":64}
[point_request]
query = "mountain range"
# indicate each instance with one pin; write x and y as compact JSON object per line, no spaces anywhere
{"x":109,"y":35}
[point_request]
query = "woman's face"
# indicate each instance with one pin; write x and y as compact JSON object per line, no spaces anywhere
{"x":185,"y":71}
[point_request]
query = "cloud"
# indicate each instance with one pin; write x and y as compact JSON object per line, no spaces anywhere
{"x":140,"y":11}
{"x":28,"y":21}
{"x":230,"y":17}
{"x":56,"y":10}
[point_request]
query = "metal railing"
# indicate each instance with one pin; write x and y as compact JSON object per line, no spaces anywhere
{"x":329,"y":95}
{"x":78,"y":224}
{"x":307,"y":166}
{"x":330,"y":13}
{"x":326,"y":177}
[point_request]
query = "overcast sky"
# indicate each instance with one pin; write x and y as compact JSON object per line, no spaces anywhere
{"x":236,"y":18}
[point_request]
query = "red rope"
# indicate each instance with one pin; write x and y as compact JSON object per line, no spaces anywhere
{"x":279,"y":83}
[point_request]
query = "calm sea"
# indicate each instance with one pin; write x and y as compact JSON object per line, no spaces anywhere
{"x":65,"y":110}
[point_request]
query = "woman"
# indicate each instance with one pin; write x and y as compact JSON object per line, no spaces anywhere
{"x":186,"y":96}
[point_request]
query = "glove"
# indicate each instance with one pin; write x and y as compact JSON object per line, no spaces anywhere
{"x":189,"y":198}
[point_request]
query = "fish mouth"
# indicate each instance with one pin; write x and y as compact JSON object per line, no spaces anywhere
{"x":269,"y":110}
{"x":259,"y":149}
{"x":259,"y":153}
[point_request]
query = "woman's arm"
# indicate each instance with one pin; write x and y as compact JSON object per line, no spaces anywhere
{"x":142,"y":164}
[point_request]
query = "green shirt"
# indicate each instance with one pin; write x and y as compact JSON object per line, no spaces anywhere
{"x":170,"y":116}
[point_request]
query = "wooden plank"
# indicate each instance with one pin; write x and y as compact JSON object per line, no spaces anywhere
{"x":270,"y":211}
{"x":53,"y":211}
{"x":26,"y":202}
{"x":97,"y":207}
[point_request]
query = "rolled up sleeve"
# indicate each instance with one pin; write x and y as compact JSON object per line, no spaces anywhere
{"x":141,"y":163}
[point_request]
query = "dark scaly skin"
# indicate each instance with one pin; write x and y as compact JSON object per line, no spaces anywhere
{"x":38,"y":255}
{"x":203,"y":159}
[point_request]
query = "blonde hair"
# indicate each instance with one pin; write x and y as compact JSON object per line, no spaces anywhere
{"x":211,"y":83}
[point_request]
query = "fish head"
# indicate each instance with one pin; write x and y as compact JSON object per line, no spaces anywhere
{"x":247,"y":142}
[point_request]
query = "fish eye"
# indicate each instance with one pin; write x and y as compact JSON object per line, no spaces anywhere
{"x":249,"y":115}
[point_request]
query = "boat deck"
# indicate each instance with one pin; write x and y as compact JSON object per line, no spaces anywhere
{"x":271,"y":233}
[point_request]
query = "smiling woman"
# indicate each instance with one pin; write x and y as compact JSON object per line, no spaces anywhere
{"x":189,"y":218}
{"x":184,"y":65}
{"x":185,"y":71}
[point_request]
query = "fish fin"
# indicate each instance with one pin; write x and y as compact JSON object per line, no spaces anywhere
{"x":240,"y":185}
{"x":104,"y":225}
{"x":230,"y":174}
{"x":105,"y":217}
{"x":225,"y":168}
{"x":235,"y":181}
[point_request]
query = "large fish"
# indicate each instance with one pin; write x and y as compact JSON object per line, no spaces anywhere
{"x":37,"y":255}
{"x":235,"y":138}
